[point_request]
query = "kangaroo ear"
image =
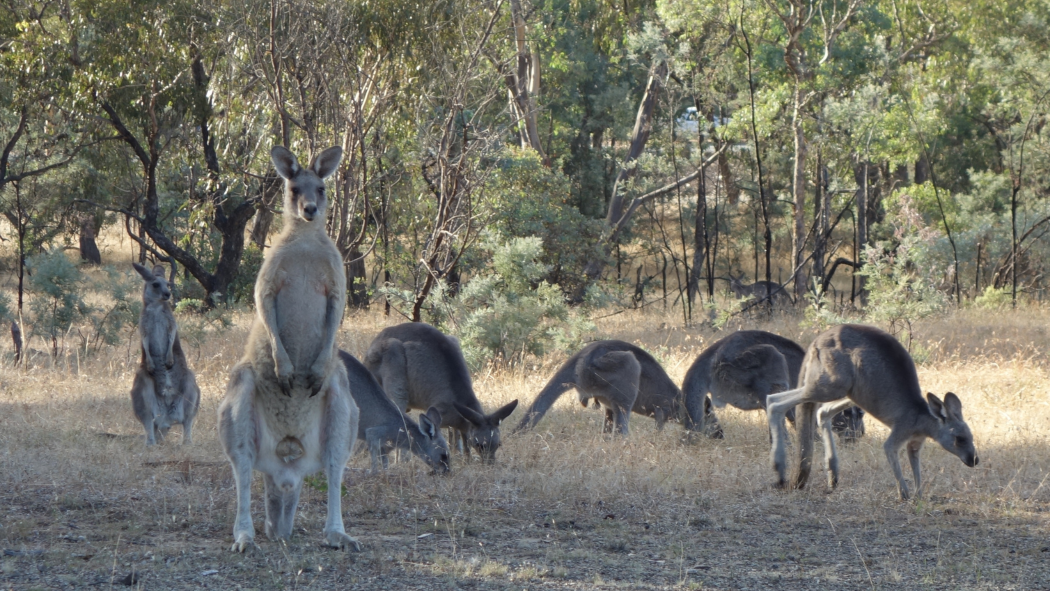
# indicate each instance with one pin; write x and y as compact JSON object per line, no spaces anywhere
{"x":158,"y":271}
{"x":498,"y":416}
{"x":326,"y":162}
{"x":473,"y":417}
{"x":434,"y":415}
{"x":285,"y":162}
{"x":937,"y":406}
{"x":146,"y":274}
{"x":953,"y":404}
{"x":426,"y":426}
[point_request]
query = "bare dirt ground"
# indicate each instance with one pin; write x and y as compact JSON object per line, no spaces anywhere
{"x":84,"y":504}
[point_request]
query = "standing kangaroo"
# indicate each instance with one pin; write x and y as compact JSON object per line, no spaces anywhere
{"x":741,"y":370}
{"x":165,"y":391}
{"x":620,"y":376}
{"x":288,"y":412}
{"x":760,"y":290}
{"x":420,"y":367}
{"x":384,"y":427}
{"x":862,"y":365}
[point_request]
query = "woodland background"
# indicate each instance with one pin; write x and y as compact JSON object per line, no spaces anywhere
{"x":512,"y":166}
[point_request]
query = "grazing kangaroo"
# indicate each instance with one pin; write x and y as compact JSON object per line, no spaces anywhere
{"x":741,"y":370}
{"x":862,"y":365}
{"x":288,"y":412}
{"x":165,"y":391}
{"x":620,"y":376}
{"x":384,"y":427}
{"x":760,"y":290}
{"x":420,"y":367}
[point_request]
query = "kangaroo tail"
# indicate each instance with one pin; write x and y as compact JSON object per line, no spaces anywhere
{"x":805,"y":422}
{"x":563,"y":380}
{"x":694,"y":391}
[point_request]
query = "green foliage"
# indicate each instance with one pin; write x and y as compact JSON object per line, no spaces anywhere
{"x":900,"y":275}
{"x":120,"y":290}
{"x":242,"y":289}
{"x":993,"y":298}
{"x":509,"y":312}
{"x":197,"y":321}
{"x":55,"y":303}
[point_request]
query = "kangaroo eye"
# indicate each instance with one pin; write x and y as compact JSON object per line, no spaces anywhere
{"x":156,"y":284}
{"x":320,"y":192}
{"x":295,"y":190}
{"x":960,"y":442}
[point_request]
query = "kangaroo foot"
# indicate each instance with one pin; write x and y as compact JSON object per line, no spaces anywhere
{"x":340,"y":540}
{"x":243,"y":541}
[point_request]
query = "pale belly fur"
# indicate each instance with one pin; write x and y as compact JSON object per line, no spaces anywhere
{"x":278,"y":416}
{"x":301,"y":311}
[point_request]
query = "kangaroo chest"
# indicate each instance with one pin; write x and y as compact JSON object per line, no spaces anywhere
{"x":156,"y":325}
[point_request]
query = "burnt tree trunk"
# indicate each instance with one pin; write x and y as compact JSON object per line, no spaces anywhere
{"x":88,"y":247}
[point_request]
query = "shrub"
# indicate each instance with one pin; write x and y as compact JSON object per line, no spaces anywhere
{"x":55,"y":284}
{"x":509,"y":311}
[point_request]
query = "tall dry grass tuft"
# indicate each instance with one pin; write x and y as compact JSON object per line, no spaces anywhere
{"x":564,"y":505}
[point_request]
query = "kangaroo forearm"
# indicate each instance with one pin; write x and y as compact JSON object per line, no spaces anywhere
{"x":333,"y":317}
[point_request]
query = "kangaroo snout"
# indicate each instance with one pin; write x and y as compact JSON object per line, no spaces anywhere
{"x":309,"y":211}
{"x":972,"y":461}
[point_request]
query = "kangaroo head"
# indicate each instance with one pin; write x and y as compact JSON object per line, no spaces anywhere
{"x":156,"y":288}
{"x":483,"y":432}
{"x":850,"y":423}
{"x":954,"y":434}
{"x":304,"y":196}
{"x":431,"y":446}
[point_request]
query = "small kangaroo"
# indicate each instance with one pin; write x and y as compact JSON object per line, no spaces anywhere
{"x":741,"y":370}
{"x":760,"y":290}
{"x":862,"y":365}
{"x":165,"y":391}
{"x":384,"y":427}
{"x":420,"y":367}
{"x":621,"y":377}
{"x":288,"y":412}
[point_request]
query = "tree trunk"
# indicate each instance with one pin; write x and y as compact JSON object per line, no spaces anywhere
{"x":822,"y":215}
{"x":732,"y":190}
{"x":861,"y":174}
{"x":798,"y":188}
{"x":270,"y":192}
{"x":700,"y":237}
{"x":356,"y":279}
{"x":88,"y":248}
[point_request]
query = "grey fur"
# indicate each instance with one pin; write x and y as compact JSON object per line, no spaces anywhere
{"x":620,"y":376}
{"x":419,"y":367}
{"x":741,"y":370}
{"x":165,"y":391}
{"x":288,"y":412}
{"x":384,"y":427}
{"x":760,"y":290}
{"x":862,"y":365}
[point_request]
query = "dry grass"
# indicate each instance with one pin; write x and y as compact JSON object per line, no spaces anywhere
{"x":564,"y":507}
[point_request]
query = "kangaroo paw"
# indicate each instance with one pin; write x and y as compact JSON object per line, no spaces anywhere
{"x":338,"y":539}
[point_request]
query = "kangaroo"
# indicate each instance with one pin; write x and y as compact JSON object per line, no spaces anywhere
{"x":759,"y":290}
{"x":621,"y":377}
{"x":862,"y":365}
{"x":384,"y":427}
{"x":420,"y":367}
{"x":165,"y":391}
{"x":288,"y":412}
{"x":741,"y":370}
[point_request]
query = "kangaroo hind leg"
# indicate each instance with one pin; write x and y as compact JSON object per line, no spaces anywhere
{"x":340,"y":428}
{"x":237,"y":435}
